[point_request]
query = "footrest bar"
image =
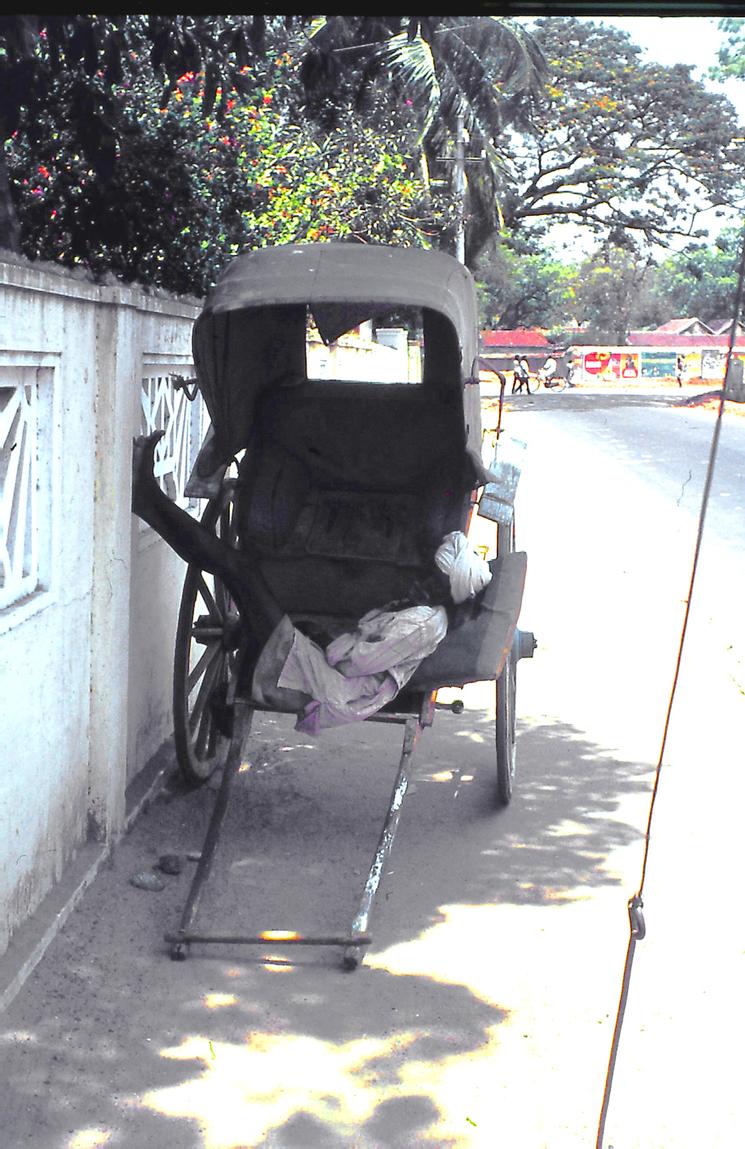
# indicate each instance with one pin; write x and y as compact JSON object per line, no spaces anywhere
{"x":270,"y":937}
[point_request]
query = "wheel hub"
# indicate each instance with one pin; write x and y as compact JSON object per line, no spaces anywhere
{"x":525,"y":644}
{"x":231,"y":631}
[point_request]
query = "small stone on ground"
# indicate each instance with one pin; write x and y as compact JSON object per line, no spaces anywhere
{"x":147,"y":880}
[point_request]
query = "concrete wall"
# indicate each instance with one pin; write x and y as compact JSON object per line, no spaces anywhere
{"x":88,"y":598}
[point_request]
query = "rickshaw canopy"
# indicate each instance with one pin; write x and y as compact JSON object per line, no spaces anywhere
{"x":251,"y":335}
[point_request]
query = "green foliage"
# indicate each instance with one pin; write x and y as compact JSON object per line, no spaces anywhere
{"x":732,"y":52}
{"x":700,"y":281}
{"x":99,"y":52}
{"x":89,"y":57}
{"x":483,"y":68}
{"x":522,"y":286}
{"x":607,"y":288}
{"x":188,"y":190}
{"x":612,"y":291}
{"x":157,"y":145}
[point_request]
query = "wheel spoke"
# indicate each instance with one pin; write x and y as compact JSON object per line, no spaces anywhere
{"x":220,"y":597}
{"x":210,"y":652}
{"x":227,"y":525}
{"x":209,"y":601}
{"x":202,"y":739}
{"x":208,"y":683}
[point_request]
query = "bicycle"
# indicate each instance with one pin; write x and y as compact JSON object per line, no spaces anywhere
{"x":552,"y":382}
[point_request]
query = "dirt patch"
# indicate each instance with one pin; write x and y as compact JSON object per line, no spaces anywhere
{"x":710,"y":400}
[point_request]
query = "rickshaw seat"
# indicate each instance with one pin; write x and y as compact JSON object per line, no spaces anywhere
{"x":349,"y":488}
{"x":362,"y":436}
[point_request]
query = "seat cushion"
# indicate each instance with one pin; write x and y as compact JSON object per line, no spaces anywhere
{"x":476,"y":650}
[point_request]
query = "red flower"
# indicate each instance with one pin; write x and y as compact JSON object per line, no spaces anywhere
{"x":43,"y":171}
{"x":267,"y":98}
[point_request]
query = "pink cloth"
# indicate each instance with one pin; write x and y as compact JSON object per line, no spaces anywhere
{"x":360,"y":672}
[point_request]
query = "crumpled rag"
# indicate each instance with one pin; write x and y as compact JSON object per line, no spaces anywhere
{"x":467,"y":571}
{"x":359,"y":672}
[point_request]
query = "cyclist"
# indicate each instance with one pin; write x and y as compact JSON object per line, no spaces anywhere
{"x":547,"y":371}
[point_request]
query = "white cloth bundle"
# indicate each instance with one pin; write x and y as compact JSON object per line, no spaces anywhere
{"x":356,"y":675}
{"x":467,"y":571}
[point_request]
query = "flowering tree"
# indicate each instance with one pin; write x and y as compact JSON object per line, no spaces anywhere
{"x":91,"y":56}
{"x":190,"y":188}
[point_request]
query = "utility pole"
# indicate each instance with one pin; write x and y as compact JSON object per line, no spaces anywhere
{"x":460,"y":188}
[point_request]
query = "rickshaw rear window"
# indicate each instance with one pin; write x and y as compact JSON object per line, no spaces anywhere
{"x":356,"y":347}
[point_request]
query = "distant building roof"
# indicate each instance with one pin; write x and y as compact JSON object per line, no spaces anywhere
{"x":518,"y":337}
{"x":675,"y":342}
{"x":690,"y":326}
{"x":725,"y":327}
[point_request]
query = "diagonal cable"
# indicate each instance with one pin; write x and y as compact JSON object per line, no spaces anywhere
{"x":636,"y":919}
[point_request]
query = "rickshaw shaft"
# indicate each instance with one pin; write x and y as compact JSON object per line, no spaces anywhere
{"x":385,"y":842}
{"x":357,"y":936}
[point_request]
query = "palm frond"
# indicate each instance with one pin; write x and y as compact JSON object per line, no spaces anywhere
{"x":410,"y":62}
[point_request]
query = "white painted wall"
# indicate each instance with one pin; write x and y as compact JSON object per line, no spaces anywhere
{"x":88,"y":598}
{"x":390,"y":359}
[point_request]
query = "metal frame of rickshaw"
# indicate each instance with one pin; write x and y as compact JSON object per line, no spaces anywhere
{"x":341,"y":285}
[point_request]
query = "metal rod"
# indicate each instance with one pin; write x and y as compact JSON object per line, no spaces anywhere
{"x":359,"y":925}
{"x":273,"y":938}
{"x":243,"y":718}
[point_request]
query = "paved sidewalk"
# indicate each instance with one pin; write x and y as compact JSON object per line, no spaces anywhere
{"x":112,"y":1044}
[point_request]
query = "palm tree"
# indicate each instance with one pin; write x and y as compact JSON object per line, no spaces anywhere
{"x":467,"y":78}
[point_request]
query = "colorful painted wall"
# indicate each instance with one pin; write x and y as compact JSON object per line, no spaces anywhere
{"x":627,"y":365}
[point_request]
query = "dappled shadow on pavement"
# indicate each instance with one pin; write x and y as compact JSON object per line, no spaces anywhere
{"x":112,"y":1044}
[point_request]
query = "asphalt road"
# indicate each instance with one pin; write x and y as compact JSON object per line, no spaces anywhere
{"x":608,"y":512}
{"x":483,"y":1014}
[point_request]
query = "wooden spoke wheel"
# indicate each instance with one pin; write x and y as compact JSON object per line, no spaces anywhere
{"x":505,"y":732}
{"x":207,"y":637}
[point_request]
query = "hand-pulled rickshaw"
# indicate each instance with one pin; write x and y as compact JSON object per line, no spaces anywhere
{"x":327,"y":501}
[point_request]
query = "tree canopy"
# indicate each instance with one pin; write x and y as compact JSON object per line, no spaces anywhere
{"x":611,"y":291}
{"x":700,"y":281}
{"x":93,"y":55}
{"x":622,"y":148}
{"x":465,"y":78}
{"x":732,"y":52}
{"x":156,"y":146}
{"x":521,"y":285}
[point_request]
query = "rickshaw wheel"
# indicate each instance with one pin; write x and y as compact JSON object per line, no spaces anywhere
{"x":206,"y":640}
{"x":506,"y":686}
